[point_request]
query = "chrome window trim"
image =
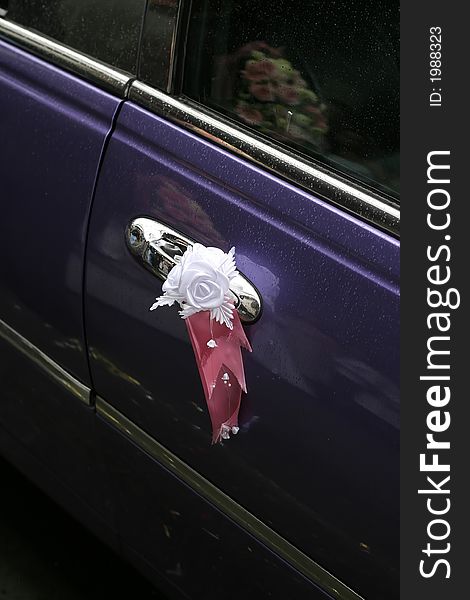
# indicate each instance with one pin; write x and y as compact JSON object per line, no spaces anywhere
{"x":229,"y":507}
{"x":315,"y":179}
{"x":44,"y":362}
{"x":106,"y":77}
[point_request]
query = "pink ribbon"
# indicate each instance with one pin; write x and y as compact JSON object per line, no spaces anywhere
{"x":220,"y":368}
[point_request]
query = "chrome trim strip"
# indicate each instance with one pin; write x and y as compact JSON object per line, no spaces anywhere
{"x":108,"y":78}
{"x":332,"y":188}
{"x":55,"y":371}
{"x":264,"y":534}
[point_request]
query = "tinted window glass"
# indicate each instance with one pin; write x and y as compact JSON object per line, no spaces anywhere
{"x":321,"y":76}
{"x":108,"y":30}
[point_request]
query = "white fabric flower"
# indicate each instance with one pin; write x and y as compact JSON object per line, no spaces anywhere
{"x":201,"y":281}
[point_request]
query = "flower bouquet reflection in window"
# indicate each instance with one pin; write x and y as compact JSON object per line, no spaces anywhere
{"x":266,"y":91}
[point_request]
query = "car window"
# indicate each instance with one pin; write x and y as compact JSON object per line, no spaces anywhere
{"x":108,"y":30}
{"x":319,"y":76}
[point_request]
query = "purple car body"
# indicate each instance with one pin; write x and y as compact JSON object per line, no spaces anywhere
{"x":101,"y":402}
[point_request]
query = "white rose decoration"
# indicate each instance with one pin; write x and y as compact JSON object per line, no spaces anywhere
{"x":201,"y":281}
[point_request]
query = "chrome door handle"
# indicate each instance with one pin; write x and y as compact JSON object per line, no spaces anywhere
{"x":155,"y":246}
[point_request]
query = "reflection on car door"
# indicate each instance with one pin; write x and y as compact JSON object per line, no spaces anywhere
{"x":316,"y":458}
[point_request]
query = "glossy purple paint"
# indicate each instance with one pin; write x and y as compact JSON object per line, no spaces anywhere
{"x":317,"y":454}
{"x":182,"y":540}
{"x":53,"y":127}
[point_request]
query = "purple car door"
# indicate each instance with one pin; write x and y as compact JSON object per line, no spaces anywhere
{"x":53,"y":129}
{"x":269,"y":142}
